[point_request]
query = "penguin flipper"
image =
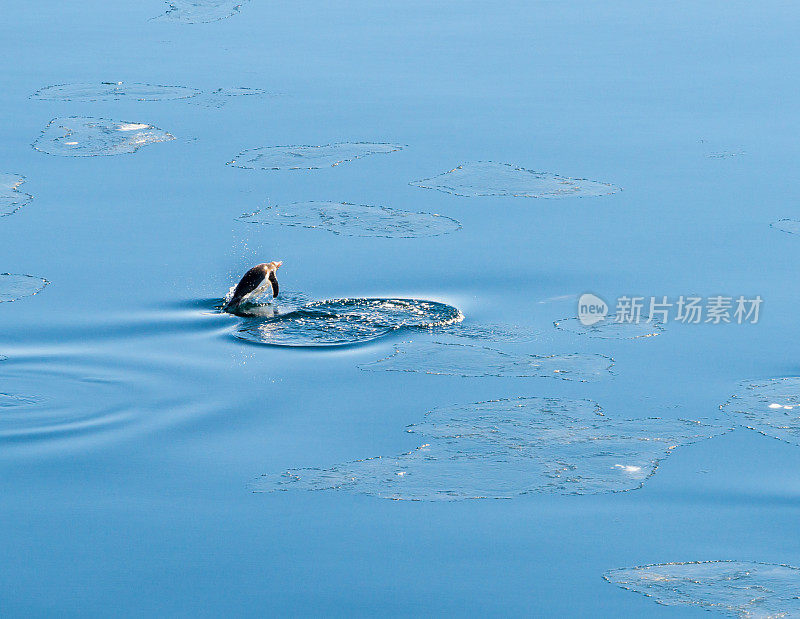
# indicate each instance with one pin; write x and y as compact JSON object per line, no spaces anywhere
{"x":274,"y":281}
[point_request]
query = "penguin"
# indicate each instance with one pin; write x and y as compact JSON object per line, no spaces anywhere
{"x":253,"y":283}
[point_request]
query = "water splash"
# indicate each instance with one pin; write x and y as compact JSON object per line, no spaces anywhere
{"x":264,"y":306}
{"x":14,"y":286}
{"x":355,"y":219}
{"x":467,"y":360}
{"x":11,"y":198}
{"x":486,"y":178}
{"x":609,"y":329}
{"x":342,"y":322}
{"x":504,"y":448}
{"x":746,"y":589}
{"x":308,"y":157}
{"x":80,"y":136}
{"x":771,"y":407}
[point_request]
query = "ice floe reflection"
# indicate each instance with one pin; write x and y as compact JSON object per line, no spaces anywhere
{"x":79,"y":136}
{"x":486,"y":178}
{"x":355,"y":219}
{"x":468,"y":360}
{"x":503,"y":448}
{"x":739,"y":588}
{"x":308,"y":157}
{"x":13,"y":286}
{"x":341,"y":322}
{"x":201,"y":11}
{"x":11,"y":198}
{"x":771,"y":407}
{"x":610,"y":329}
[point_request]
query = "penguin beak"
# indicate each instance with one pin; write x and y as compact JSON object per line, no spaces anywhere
{"x":278,"y":264}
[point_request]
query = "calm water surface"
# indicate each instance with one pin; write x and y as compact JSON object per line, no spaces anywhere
{"x":141,"y":421}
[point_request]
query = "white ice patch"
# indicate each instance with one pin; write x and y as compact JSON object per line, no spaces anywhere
{"x":745,"y":589}
{"x":80,"y":136}
{"x":308,"y":157}
{"x":771,"y":407}
{"x":504,"y":448}
{"x":468,"y":360}
{"x":355,"y":219}
{"x":11,"y":198}
{"x":610,"y":329}
{"x":201,"y":11}
{"x":14,"y":287}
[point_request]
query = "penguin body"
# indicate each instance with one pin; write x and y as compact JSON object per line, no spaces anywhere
{"x":255,"y":282}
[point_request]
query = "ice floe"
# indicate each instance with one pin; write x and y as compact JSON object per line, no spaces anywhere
{"x":80,"y":136}
{"x":341,"y":322}
{"x":13,"y":286}
{"x":308,"y":157}
{"x":610,"y":329}
{"x":504,"y":448}
{"x":486,"y":178}
{"x":792,"y":226}
{"x":492,"y":332}
{"x":745,"y":589}
{"x":219,"y":97}
{"x":11,"y":198}
{"x":354,"y":219}
{"x":135,"y":91}
{"x":113,"y":91}
{"x":469,"y":360}
{"x":771,"y":407}
{"x":201,"y":11}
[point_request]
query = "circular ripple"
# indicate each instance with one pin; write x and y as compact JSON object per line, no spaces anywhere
{"x":45,"y":399}
{"x":342,"y":322}
{"x":55,"y":399}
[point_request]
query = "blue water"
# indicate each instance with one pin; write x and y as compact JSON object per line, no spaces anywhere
{"x":127,"y":491}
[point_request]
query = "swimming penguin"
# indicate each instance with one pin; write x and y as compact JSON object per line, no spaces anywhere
{"x":254,"y":282}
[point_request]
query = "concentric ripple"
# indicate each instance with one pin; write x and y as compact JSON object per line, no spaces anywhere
{"x":771,"y":407}
{"x":355,"y":219}
{"x":80,"y":136}
{"x":487,"y":178}
{"x":14,"y":286}
{"x":746,"y":589}
{"x":342,"y":322}
{"x":504,"y":448}
{"x":76,"y":400}
{"x":308,"y":157}
{"x":67,"y":394}
{"x":468,"y":360}
{"x":11,"y":198}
